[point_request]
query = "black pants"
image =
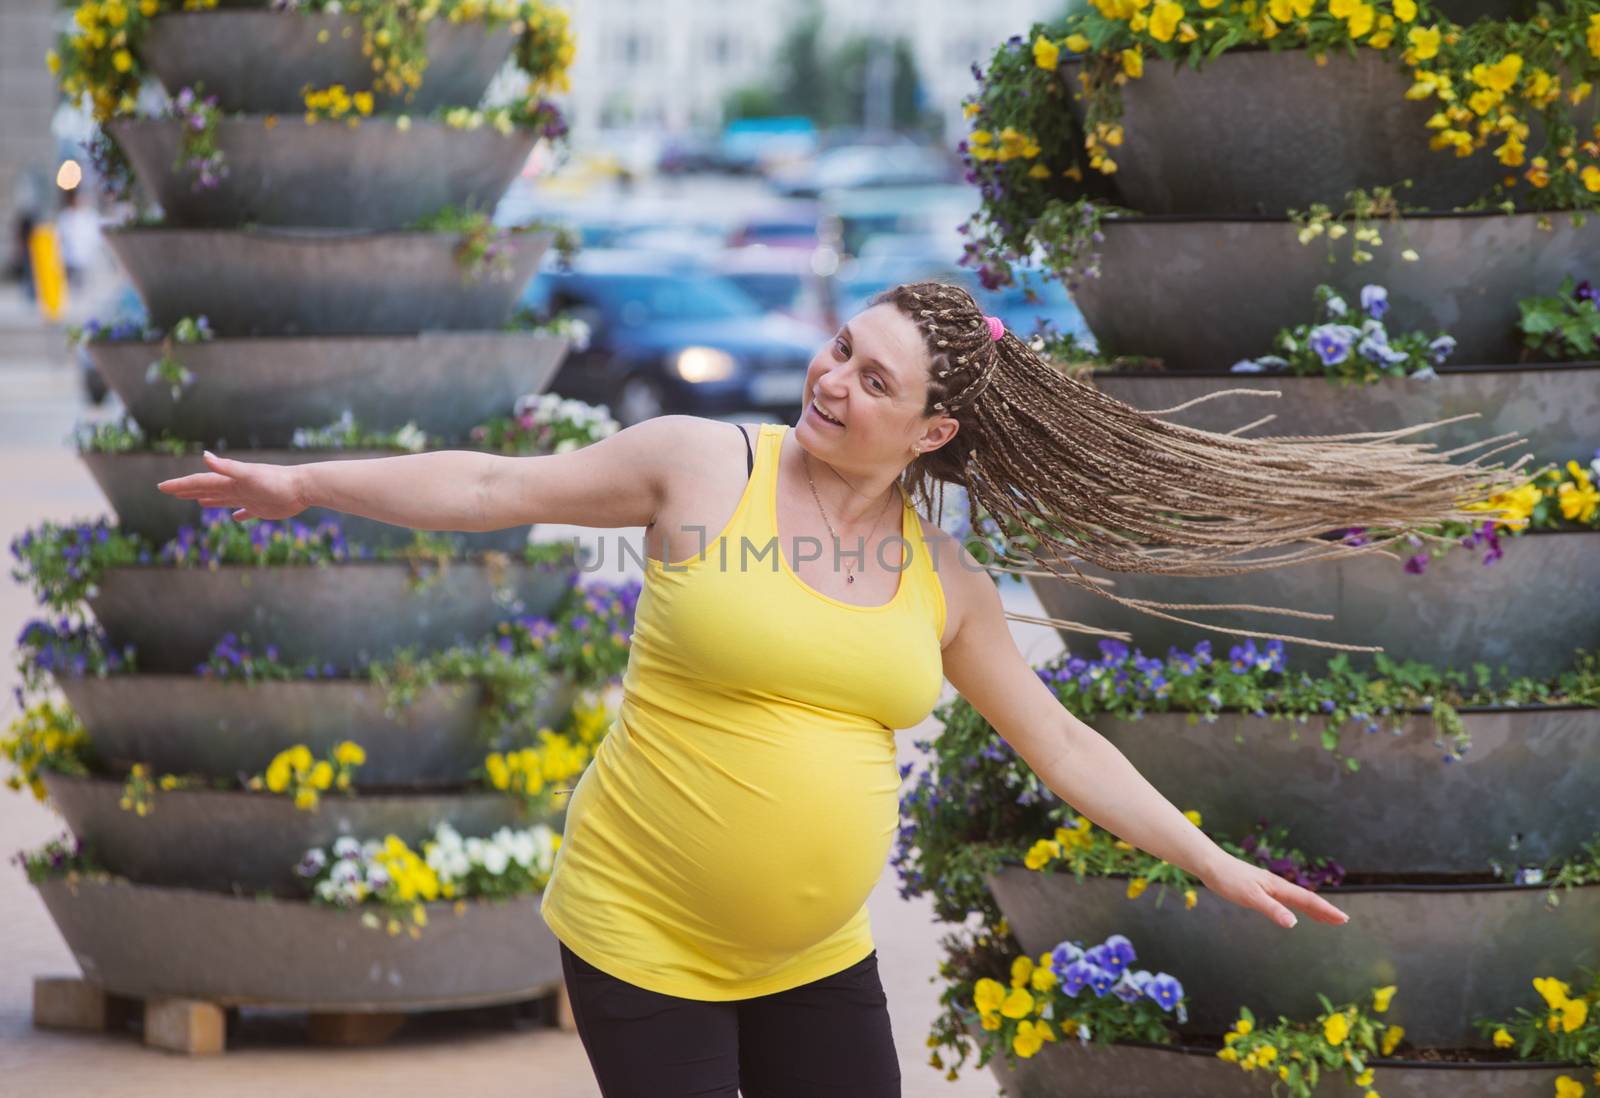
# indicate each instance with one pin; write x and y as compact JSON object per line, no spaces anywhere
{"x":826,"y":1039}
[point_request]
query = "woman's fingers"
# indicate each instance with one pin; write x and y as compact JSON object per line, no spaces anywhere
{"x":187,"y":487}
{"x":1307,"y":901}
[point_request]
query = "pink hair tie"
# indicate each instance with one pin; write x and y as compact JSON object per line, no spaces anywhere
{"x":997,"y":327}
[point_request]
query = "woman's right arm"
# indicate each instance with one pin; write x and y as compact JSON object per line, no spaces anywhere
{"x":616,"y":482}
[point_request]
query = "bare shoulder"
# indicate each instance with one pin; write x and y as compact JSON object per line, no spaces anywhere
{"x":967,"y":588}
{"x":694,"y":446}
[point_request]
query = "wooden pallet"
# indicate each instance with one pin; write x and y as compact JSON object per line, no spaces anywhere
{"x":197,"y":1027}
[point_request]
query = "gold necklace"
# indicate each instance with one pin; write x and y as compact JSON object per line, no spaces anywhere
{"x":849,"y":576}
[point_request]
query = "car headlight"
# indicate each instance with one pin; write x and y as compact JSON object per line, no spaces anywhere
{"x":703,"y":364}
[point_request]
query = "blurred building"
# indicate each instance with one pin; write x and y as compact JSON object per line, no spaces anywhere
{"x":669,"y":63}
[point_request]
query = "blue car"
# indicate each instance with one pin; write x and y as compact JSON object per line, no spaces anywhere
{"x":668,"y":336}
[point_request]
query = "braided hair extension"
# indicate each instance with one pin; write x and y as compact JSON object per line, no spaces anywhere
{"x":1093,"y":478}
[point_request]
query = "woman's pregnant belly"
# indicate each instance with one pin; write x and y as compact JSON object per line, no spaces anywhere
{"x":744,"y":841}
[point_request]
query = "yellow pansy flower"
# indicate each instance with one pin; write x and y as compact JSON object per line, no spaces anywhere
{"x":1021,"y":970}
{"x":1365,"y":1078}
{"x":1500,"y":76}
{"x":1502,"y":1039}
{"x":1165,"y":19}
{"x":1136,"y":887}
{"x":1043,"y":978}
{"x":1578,"y":502}
{"x":1077,"y":43}
{"x":1335,"y":1027}
{"x":1244,"y":1027}
{"x":349,"y":753}
{"x":1030,"y":1037}
{"x":987,"y":995}
{"x":1193,"y":817}
{"x":1391,"y":1038}
{"x":1424,"y":42}
{"x":1573,"y":1014}
{"x":1553,"y":991}
{"x":1133,"y":63}
{"x":1361,"y":20}
{"x":1405,"y":10}
{"x":1381,"y":997}
{"x":1568,"y":1087}
{"x":1018,"y":1004}
{"x":1594,"y":34}
{"x":979,"y":137}
{"x":1040,"y":853}
{"x":969,"y":109}
{"x":1190,"y":898}
{"x":1046,"y":54}
{"x":321,"y":775}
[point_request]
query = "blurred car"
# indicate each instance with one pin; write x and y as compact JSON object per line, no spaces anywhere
{"x":790,"y":281}
{"x":688,"y":153}
{"x":679,"y":237}
{"x":860,"y":278}
{"x":860,"y":166}
{"x":851,"y":217}
{"x":667,"y":335}
{"x":790,"y":225}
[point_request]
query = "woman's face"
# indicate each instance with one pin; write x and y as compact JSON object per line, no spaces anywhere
{"x":873,"y":378}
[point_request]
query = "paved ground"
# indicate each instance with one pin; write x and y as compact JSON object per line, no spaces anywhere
{"x":41,"y":478}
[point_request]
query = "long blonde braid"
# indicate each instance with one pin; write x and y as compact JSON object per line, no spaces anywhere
{"x":1095,"y":479}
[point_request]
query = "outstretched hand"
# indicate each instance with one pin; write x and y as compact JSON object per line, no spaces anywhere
{"x":251,"y":489}
{"x":1254,"y":887}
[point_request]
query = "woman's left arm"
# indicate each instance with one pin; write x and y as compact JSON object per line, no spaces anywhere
{"x":1085,"y":769}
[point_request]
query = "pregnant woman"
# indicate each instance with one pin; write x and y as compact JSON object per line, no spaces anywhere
{"x":710,"y":891}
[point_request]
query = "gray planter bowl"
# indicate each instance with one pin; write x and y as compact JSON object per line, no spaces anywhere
{"x":129,"y":483}
{"x":371,"y":177}
{"x":1140,"y":1070}
{"x":251,"y":842}
{"x":318,"y":281}
{"x":258,"y":61}
{"x":1526,"y":779}
{"x":344,"y":614}
{"x":1555,"y":407}
{"x":1206,"y":142}
{"x":185,"y":724}
{"x":1256,"y":278}
{"x":1456,"y":952}
{"x":137,"y":940}
{"x":256,"y":392}
{"x":1451,"y":616}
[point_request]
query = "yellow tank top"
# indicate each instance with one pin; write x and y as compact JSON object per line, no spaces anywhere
{"x":723,"y":841}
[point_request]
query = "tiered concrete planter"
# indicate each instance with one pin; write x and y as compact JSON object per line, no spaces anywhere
{"x":1522,"y":795}
{"x":332,"y":307}
{"x":148,"y":941}
{"x":1255,"y":278}
{"x":248,"y":842}
{"x":1141,"y":1070}
{"x":319,"y":281}
{"x":343,"y":614}
{"x":1554,"y":406}
{"x":189,"y":724}
{"x":257,"y":392}
{"x":260,"y":61}
{"x":278,"y":175}
{"x":1451,"y":616}
{"x":1205,"y":141}
{"x":129,"y":482}
{"x":1459,"y":952}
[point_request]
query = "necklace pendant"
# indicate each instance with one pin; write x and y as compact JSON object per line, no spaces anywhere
{"x":849,"y":579}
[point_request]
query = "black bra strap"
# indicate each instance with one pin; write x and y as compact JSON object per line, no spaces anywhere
{"x":750,"y":457}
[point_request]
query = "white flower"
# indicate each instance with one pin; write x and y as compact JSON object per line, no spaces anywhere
{"x":1336,"y":306}
{"x":346,"y":846}
{"x":1245,"y":366}
{"x":411,"y":437}
{"x":1425,"y":373}
{"x":447,"y":837}
{"x":475,"y":848}
{"x":495,"y":860}
{"x":344,"y":872}
{"x":565,"y":445}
